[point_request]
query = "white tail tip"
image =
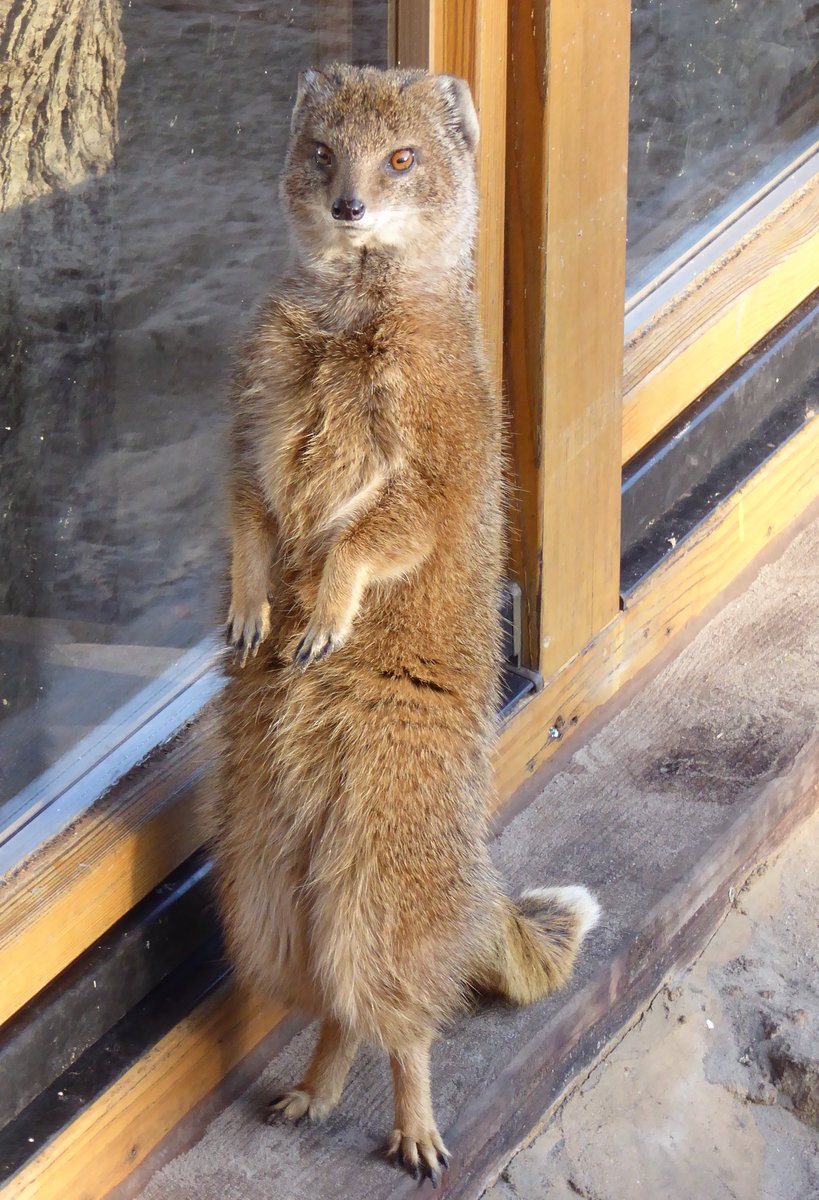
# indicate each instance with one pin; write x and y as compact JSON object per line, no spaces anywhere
{"x":577,"y":898}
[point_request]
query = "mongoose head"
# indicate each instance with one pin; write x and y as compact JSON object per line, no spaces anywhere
{"x":382,"y":159}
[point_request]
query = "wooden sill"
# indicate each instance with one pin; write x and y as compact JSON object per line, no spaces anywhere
{"x":113,"y":1135}
{"x":721,"y":313}
{"x":65,"y":897}
{"x":678,"y":591}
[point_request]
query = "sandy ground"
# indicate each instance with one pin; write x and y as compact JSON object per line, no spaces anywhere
{"x":714,"y":1094}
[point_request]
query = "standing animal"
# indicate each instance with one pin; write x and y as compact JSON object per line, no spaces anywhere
{"x":348,"y":820}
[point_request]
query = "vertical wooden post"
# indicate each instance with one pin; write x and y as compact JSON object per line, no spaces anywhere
{"x":469,"y":38}
{"x":409,"y":22}
{"x":567,"y":141}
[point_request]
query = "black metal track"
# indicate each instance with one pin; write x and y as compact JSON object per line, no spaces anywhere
{"x":719,"y":442}
{"x":88,"y":999}
{"x":103,"y":1063}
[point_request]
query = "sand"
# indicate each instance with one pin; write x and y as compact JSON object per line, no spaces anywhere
{"x":714,"y":1093}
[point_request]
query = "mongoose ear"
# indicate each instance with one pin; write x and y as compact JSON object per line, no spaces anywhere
{"x":312,"y":84}
{"x":460,"y":109}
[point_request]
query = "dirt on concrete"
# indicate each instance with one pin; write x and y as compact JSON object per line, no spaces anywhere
{"x":714,"y":1093}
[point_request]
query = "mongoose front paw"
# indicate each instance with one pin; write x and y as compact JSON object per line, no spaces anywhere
{"x":245,"y":630}
{"x":422,"y":1153}
{"x":317,"y":643}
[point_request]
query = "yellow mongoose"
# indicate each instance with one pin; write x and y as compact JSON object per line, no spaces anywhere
{"x":349,"y":819}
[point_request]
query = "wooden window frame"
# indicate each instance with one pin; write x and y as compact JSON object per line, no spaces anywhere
{"x":551,"y":87}
{"x":717,"y":303}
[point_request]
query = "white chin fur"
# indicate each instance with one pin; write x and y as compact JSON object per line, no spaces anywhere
{"x":577,"y":898}
{"x":396,"y":228}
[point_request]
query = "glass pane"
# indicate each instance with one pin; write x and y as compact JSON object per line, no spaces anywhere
{"x":139,"y":223}
{"x":724,"y":96}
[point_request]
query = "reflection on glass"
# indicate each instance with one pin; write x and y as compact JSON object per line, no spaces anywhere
{"x":724,"y":94}
{"x":139,"y":223}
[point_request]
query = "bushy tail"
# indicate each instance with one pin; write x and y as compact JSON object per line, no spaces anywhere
{"x":537,"y":940}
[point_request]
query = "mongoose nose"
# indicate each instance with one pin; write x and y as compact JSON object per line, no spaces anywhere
{"x":347,"y":210}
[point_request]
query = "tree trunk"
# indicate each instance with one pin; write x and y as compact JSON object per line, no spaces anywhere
{"x":61,"y":64}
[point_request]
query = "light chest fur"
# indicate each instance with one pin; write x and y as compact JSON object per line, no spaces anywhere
{"x":335,"y":400}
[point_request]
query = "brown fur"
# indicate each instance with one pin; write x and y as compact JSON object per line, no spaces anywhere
{"x":349,"y":818}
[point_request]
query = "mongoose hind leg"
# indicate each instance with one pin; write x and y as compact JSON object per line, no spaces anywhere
{"x":320,"y":1090}
{"x":415,"y":1141}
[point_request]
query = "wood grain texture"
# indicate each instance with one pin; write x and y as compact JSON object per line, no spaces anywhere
{"x":689,"y":343}
{"x":61,"y":901}
{"x":523,"y":319}
{"x":409,"y":27}
{"x":678,"y":591}
{"x":468,"y":38}
{"x":566,"y":195}
{"x":110,"y":1137}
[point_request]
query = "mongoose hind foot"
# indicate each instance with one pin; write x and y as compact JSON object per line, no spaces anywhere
{"x":421,"y":1152}
{"x":296,"y":1104}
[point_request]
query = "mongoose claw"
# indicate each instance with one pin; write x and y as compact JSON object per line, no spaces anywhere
{"x":246,"y":635}
{"x":293,"y":1106}
{"x":313,"y":647}
{"x":422,"y":1157}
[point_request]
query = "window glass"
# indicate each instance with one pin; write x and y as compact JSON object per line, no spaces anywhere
{"x":724,"y":96}
{"x":139,"y":223}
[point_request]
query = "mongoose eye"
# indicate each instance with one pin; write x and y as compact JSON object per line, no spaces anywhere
{"x":402,"y":160}
{"x":323,"y":155}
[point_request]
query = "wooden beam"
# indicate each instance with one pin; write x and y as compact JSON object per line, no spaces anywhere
{"x":409,"y":27}
{"x":113,"y":1135}
{"x":468,"y":38}
{"x":58,"y":904}
{"x":672,"y":358}
{"x":566,"y":196}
